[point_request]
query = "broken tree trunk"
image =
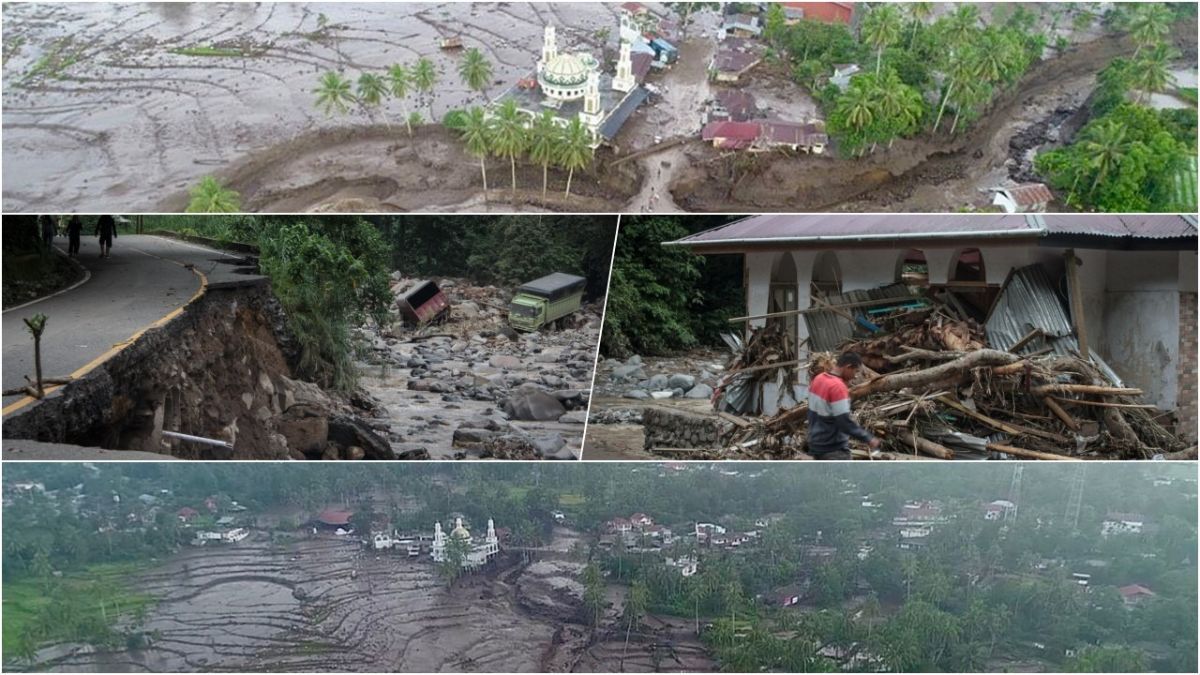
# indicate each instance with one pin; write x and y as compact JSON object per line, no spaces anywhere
{"x":935,"y":375}
{"x":1027,"y":454}
{"x":1071,"y":422}
{"x":1006,"y":427}
{"x":923,"y":444}
{"x":1047,"y":389}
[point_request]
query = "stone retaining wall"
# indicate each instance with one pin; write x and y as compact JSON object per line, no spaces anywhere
{"x":674,"y":428}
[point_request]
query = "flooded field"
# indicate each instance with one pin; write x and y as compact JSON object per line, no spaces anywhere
{"x":327,"y":603}
{"x":123,"y":106}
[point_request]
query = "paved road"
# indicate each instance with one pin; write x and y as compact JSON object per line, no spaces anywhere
{"x":140,"y":283}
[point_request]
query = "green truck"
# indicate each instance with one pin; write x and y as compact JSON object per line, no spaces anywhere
{"x":549,"y":299}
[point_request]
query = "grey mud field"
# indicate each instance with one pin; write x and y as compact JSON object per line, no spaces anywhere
{"x":327,"y":604}
{"x":102,"y":112}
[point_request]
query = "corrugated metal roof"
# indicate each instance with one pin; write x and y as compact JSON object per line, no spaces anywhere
{"x":1148,"y":226}
{"x":834,"y":227}
{"x":617,"y":119}
{"x":827,"y":330}
{"x":814,"y":227}
{"x":1031,"y":300}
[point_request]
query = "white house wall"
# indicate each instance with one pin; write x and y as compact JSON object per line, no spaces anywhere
{"x":1141,"y":322}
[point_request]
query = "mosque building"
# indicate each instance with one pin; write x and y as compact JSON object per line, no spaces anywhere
{"x":478,"y":551}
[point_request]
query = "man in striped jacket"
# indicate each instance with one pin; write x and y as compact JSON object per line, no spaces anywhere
{"x":829,"y":424}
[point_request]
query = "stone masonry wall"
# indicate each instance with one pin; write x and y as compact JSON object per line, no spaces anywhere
{"x":1187,"y":367}
{"x":673,"y":428}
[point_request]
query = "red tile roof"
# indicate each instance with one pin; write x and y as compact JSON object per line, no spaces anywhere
{"x":731,"y":134}
{"x":1134,"y":591}
{"x":335,"y":517}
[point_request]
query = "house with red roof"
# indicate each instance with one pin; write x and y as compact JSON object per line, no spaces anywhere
{"x":825,"y":12}
{"x":333,"y":519}
{"x":187,"y":514}
{"x":1135,"y":594}
{"x":641,"y":520}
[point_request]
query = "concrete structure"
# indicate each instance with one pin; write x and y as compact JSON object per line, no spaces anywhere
{"x":842,"y":72}
{"x":1023,"y":198}
{"x":1001,"y":509}
{"x":1122,"y":523}
{"x":1137,"y":276}
{"x":1135,"y":594}
{"x":477,"y":551}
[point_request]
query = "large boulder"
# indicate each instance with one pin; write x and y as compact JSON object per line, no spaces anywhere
{"x":349,"y":431}
{"x":681,"y":381}
{"x":528,"y":403}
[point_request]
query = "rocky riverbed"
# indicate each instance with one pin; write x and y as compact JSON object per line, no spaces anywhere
{"x":472,"y":387}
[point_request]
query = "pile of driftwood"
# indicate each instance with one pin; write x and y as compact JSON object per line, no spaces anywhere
{"x":979,"y":402}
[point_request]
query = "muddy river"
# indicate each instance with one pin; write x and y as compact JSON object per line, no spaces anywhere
{"x":110,"y":107}
{"x":327,"y":603}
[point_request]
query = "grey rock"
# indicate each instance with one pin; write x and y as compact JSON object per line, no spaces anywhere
{"x":574,"y":417}
{"x":532,"y":404}
{"x":639,"y":394}
{"x":628,"y":372}
{"x":702,"y":391}
{"x":682,"y":381}
{"x":659,"y":381}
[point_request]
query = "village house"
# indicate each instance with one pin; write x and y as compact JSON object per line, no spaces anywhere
{"x":1023,"y":198}
{"x":187,"y":514}
{"x":842,"y":72}
{"x":334,"y":520}
{"x":765,"y":135}
{"x":1001,"y":509}
{"x":1135,"y":277}
{"x":619,"y":525}
{"x":687,"y":565}
{"x":729,"y":65}
{"x":641,"y":520}
{"x":825,"y":12}
{"x":731,"y":105}
{"x":787,"y":596}
{"x":1122,"y":523}
{"x":1135,"y":594}
{"x":741,"y":25}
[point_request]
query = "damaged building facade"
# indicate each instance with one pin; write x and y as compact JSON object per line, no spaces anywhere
{"x":1118,"y":288}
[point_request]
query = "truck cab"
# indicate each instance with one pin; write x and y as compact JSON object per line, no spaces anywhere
{"x":546,"y":300}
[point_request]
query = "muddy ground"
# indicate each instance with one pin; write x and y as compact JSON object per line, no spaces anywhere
{"x":328,"y":604}
{"x":921,"y":174}
{"x":623,"y":388}
{"x":472,"y":387}
{"x":102,"y":114}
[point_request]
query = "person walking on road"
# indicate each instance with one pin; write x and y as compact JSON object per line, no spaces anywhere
{"x":74,"y":231}
{"x":106,"y":229}
{"x":829,"y":424}
{"x":48,"y":230}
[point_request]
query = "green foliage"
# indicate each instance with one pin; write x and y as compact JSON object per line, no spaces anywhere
{"x":476,"y":71}
{"x":1108,"y":660}
{"x":327,"y":277}
{"x":209,"y":51}
{"x":333,"y":93}
{"x":209,"y":196}
{"x":1124,"y":161}
{"x":455,"y":119}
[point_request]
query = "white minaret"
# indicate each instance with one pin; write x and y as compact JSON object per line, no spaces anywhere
{"x":549,"y":47}
{"x":591,"y":115}
{"x":439,"y":543}
{"x":457,"y":522}
{"x":493,"y":543}
{"x":624,"y":80}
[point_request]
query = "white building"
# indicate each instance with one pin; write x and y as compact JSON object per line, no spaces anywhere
{"x":687,"y":565}
{"x":1122,"y":523}
{"x":1001,"y":509}
{"x":478,"y":551}
{"x":1137,"y":282}
{"x":235,"y":535}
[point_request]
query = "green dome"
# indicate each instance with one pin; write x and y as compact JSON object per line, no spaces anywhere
{"x":566,"y":70}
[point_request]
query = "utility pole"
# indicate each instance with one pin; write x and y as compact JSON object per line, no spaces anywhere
{"x":1075,"y":498}
{"x":1014,"y":492}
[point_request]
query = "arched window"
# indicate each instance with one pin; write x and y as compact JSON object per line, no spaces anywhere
{"x":912,"y":268}
{"x":783,"y":293}
{"x":968,"y":266}
{"x":827,"y":274}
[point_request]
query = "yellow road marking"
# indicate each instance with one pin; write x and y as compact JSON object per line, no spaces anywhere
{"x":122,"y":345}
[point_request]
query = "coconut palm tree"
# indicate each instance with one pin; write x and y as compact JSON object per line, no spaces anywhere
{"x":1151,"y":72}
{"x":857,"y":108}
{"x":635,"y":607}
{"x":918,"y":12}
{"x":476,"y":71}
{"x":545,"y":138}
{"x":900,"y":105}
{"x":399,"y":80}
{"x":209,"y":196}
{"x":970,"y":94}
{"x":476,"y":134}
{"x":509,"y":137}
{"x":880,"y":29}
{"x":961,"y":69}
{"x":1106,"y":145}
{"x":370,"y":91}
{"x":424,"y":77}
{"x":333,"y":93}
{"x":575,"y":151}
{"x":1149,"y":23}
{"x":960,"y":25}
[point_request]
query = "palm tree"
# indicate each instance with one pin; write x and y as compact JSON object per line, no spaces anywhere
{"x":918,"y":12}
{"x":1151,"y":72}
{"x":209,"y":196}
{"x":1149,"y":23}
{"x":333,"y":93}
{"x":900,"y":105}
{"x":880,"y":29}
{"x":857,"y":108}
{"x":575,"y":151}
{"x":424,"y":77}
{"x":971,"y":93}
{"x":1106,"y":145}
{"x":370,"y":90}
{"x":476,"y":133}
{"x":399,"y":80}
{"x":509,"y":137}
{"x":545,"y":137}
{"x":961,"y":24}
{"x":961,"y":69}
{"x":635,"y":607}
{"x":476,"y":71}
